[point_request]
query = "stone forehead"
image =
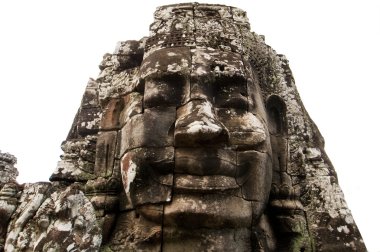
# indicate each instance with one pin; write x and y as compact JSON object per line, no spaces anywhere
{"x":197,"y":61}
{"x":167,"y":61}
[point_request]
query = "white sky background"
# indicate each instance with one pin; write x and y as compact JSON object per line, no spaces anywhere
{"x":49,"y":49}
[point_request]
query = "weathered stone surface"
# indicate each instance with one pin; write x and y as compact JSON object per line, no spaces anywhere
{"x":53,"y":217}
{"x":109,"y":119}
{"x":153,"y":128}
{"x":8,"y":171}
{"x":167,"y":61}
{"x":204,"y":184}
{"x":205,"y":161}
{"x":135,"y":232}
{"x":88,"y":121}
{"x":177,"y":239}
{"x":9,"y":195}
{"x":246,"y":129}
{"x":115,"y":83}
{"x":77,"y":162}
{"x":105,"y":153}
{"x":147,"y":175}
{"x":208,"y":211}
{"x":192,"y":139}
{"x":69,"y":170}
{"x":197,"y":125}
{"x":132,"y":106}
{"x":90,"y":96}
{"x":129,"y":54}
{"x":254,"y":174}
{"x":168,"y":91}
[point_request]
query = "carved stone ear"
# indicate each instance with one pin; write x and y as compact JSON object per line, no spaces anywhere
{"x":276,"y":112}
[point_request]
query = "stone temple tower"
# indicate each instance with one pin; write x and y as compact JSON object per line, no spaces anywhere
{"x":192,"y":139}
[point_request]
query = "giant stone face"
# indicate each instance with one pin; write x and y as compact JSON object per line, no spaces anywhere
{"x":172,"y":149}
{"x":200,"y":147}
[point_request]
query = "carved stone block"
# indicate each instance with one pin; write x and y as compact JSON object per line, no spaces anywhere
{"x":147,"y":175}
{"x":205,"y":161}
{"x":88,"y":121}
{"x":132,"y":106}
{"x":254,"y":174}
{"x":197,"y":125}
{"x":213,"y":211}
{"x":153,"y":128}
{"x":194,"y":240}
{"x":105,"y":153}
{"x":110,"y":115}
{"x":135,"y":232}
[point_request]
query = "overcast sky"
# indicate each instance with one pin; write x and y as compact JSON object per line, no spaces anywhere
{"x":49,"y":49}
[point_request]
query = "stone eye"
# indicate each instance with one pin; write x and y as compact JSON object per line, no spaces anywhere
{"x":166,"y":90}
{"x":231,"y":93}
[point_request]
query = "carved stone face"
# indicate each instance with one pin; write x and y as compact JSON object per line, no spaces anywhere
{"x":199,"y":145}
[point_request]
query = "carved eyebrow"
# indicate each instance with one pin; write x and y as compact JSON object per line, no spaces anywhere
{"x":168,"y":90}
{"x":235,"y":82}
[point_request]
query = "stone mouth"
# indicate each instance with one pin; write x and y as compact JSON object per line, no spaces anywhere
{"x":203,"y":162}
{"x":206,"y":184}
{"x":208,"y":211}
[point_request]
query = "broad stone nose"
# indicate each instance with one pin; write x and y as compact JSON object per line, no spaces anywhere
{"x":197,"y":125}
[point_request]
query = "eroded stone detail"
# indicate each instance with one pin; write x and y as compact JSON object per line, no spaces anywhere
{"x":51,"y":217}
{"x":9,"y":193}
{"x":193,"y":139}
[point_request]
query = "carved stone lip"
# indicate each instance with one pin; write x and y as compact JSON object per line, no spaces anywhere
{"x":194,"y":183}
{"x":203,"y":162}
{"x":209,"y":210}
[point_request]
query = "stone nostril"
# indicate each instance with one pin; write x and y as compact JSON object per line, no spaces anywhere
{"x":197,"y":125}
{"x":200,"y":134}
